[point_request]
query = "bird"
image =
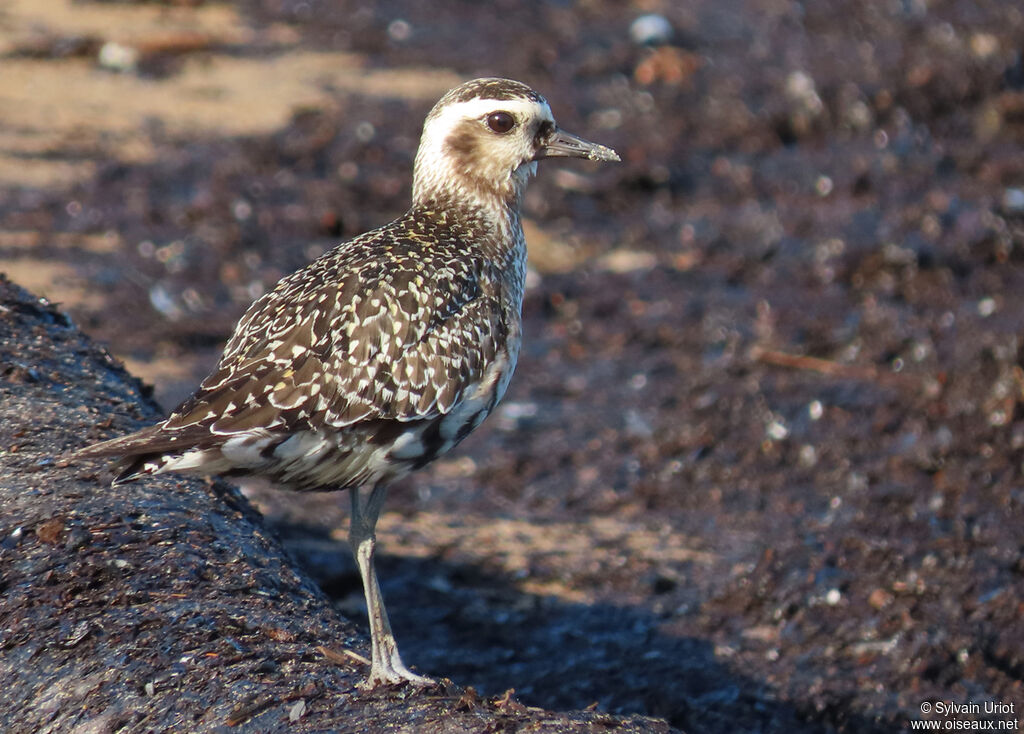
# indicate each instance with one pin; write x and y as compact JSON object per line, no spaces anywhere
{"x":388,"y":350}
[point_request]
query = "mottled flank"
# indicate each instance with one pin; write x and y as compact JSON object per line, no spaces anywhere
{"x":390,"y":349}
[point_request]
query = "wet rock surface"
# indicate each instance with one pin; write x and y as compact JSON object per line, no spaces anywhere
{"x":760,"y":466}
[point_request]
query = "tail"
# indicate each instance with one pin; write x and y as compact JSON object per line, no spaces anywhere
{"x":139,"y":454}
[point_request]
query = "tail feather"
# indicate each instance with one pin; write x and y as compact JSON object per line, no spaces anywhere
{"x":141,"y":453}
{"x":131,"y":468}
{"x":130,"y":445}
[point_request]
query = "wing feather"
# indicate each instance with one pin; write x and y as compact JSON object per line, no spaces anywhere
{"x":342,"y":342}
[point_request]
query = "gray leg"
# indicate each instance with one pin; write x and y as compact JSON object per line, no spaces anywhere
{"x":386,"y":664}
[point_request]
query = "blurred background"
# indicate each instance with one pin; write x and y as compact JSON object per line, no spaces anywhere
{"x":760,"y":468}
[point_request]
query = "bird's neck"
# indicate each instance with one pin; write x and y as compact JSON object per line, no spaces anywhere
{"x":462,"y":193}
{"x":487,"y":190}
{"x":494,"y":217}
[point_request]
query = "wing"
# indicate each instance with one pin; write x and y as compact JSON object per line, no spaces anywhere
{"x":350,"y":339}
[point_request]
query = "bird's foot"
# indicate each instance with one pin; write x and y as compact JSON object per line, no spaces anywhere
{"x":390,"y":670}
{"x":380,"y":678}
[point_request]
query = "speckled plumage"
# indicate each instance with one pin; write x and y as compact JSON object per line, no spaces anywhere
{"x":388,"y":350}
{"x":366,"y":364}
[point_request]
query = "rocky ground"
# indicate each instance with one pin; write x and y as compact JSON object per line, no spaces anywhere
{"x":760,"y":467}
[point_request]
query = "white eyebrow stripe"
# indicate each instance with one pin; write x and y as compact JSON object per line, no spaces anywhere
{"x":474,"y":109}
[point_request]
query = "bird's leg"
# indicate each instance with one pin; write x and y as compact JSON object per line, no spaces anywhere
{"x":386,"y":664}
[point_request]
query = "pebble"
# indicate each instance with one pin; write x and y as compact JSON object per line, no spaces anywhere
{"x":511,"y":414}
{"x":118,"y":57}
{"x":650,"y":30}
{"x":77,"y":538}
{"x":777,"y":430}
{"x":815,"y":410}
{"x":399,"y":30}
{"x":12,"y":540}
{"x":627,"y":261}
{"x":164,"y":302}
{"x":800,"y":88}
{"x":1013,"y":200}
{"x":880,"y":598}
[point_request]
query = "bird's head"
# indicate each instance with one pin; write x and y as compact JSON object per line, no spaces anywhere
{"x":483,"y":139}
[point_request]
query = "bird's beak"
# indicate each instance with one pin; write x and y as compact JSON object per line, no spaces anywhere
{"x":566,"y":145}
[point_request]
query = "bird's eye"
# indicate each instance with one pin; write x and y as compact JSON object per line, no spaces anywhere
{"x":501,"y":122}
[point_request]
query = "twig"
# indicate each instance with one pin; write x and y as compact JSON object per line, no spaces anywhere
{"x":869,"y":373}
{"x":341,"y":656}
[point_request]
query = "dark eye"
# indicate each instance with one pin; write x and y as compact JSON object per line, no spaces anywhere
{"x":501,"y":122}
